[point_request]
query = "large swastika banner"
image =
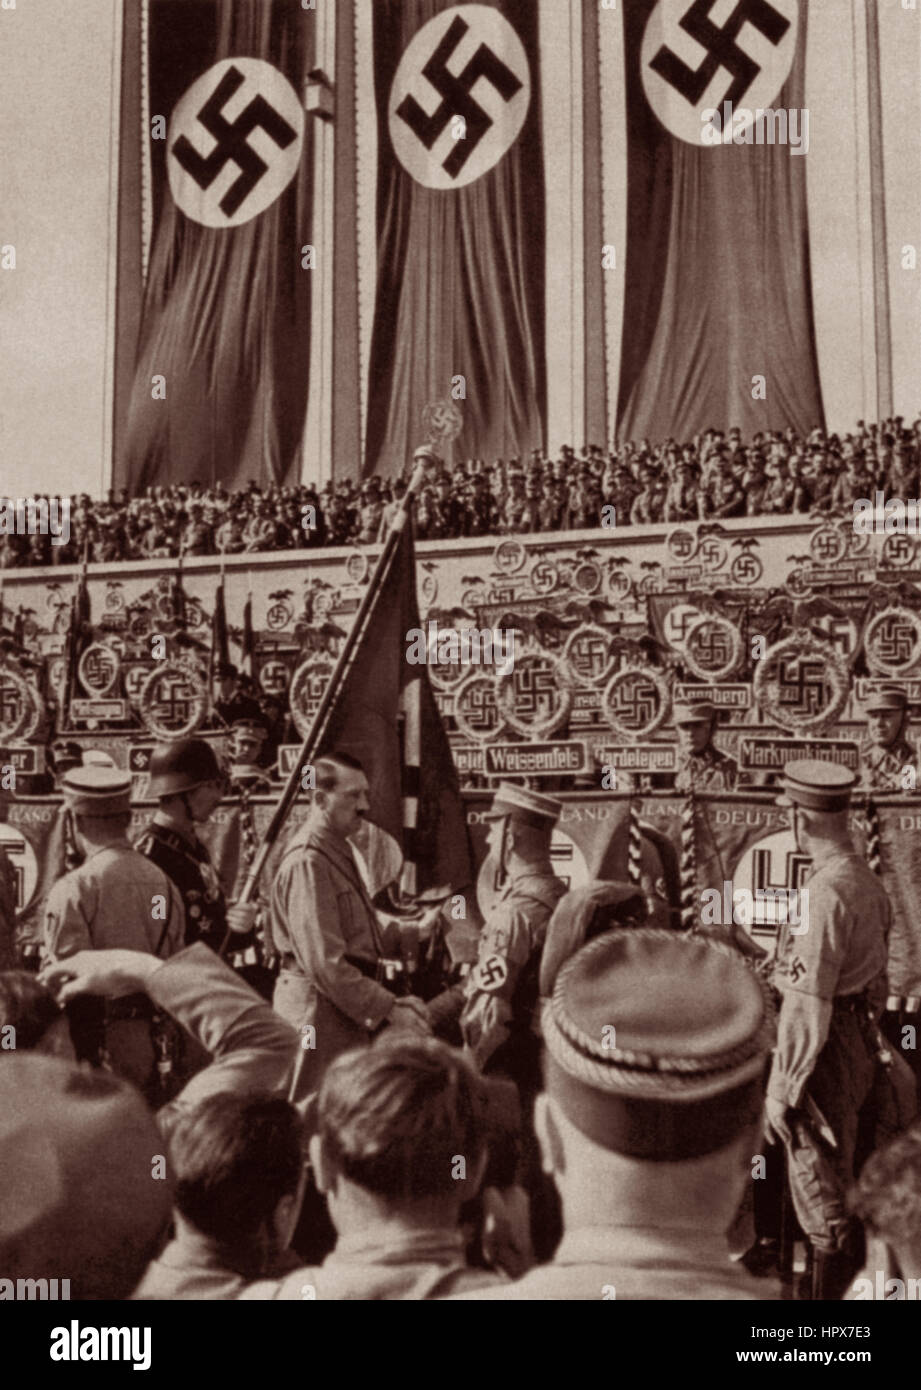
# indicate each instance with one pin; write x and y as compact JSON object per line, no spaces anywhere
{"x":718,"y":289}
{"x":220,"y":388}
{"x":460,"y":288}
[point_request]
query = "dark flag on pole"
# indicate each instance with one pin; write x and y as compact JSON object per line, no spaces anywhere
{"x":248,"y":645}
{"x":220,"y":644}
{"x":79,"y":635}
{"x":385,"y":715}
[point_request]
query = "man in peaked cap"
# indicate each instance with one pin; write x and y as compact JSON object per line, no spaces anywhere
{"x":887,"y":753}
{"x":701,"y":766}
{"x":116,"y":898}
{"x":830,"y":972}
{"x":502,"y":989}
{"x":655,"y":1046}
{"x":248,"y":737}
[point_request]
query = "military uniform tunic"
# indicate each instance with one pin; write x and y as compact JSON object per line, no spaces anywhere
{"x":324,"y":929}
{"x":832,"y":983}
{"x":109,"y":901}
{"x":186,"y":862}
{"x":501,"y":991}
{"x":710,"y":771}
{"x":881,"y":769}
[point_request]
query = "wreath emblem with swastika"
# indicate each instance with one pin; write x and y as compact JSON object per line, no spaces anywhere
{"x":746,"y":569}
{"x":827,"y":545}
{"x":475,"y":712}
{"x":892,"y":642}
{"x":588,"y":653}
{"x":17,"y":705}
{"x":712,"y":553}
{"x":898,"y":551}
{"x":801,"y":682}
{"x":681,"y":545}
{"x":712,"y":648}
{"x":172,"y":702}
{"x":460,"y":96}
{"x":636,"y":701}
{"x":490,"y":974}
{"x":535,"y":699}
{"x":307,"y":686}
{"x":234,"y":142}
{"x":98,"y":669}
{"x":691,"y":62}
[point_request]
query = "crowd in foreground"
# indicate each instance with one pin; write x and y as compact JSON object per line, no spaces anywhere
{"x":714,"y":476}
{"x":571,"y":1117}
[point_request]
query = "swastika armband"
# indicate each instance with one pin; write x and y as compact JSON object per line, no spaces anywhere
{"x":490,"y":973}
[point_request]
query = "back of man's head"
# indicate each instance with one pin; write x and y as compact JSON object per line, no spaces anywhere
{"x":655,"y":1052}
{"x":86,"y":1193}
{"x":28,"y":1009}
{"x":235,"y":1158}
{"x":887,"y":1199}
{"x":405,"y":1121}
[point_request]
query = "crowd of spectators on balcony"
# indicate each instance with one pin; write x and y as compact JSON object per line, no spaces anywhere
{"x":714,"y":476}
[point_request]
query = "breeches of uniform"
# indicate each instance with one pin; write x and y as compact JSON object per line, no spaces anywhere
{"x":299,"y":1001}
{"x":840,"y":1084}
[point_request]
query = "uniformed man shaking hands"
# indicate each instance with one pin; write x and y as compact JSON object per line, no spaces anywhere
{"x":502,"y":989}
{"x":325,"y":927}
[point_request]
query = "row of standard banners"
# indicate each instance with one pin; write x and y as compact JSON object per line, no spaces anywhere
{"x":682,"y":848}
{"x":464,"y":172}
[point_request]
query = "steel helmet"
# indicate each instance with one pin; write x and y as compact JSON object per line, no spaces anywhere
{"x":182,"y":766}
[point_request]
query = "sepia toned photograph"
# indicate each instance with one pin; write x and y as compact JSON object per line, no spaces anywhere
{"x":460,"y":665}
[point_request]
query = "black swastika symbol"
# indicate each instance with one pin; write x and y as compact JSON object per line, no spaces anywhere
{"x":710,"y":646}
{"x":478,"y":706}
{"x":98,"y":670}
{"x":232,"y":142}
{"x":895,"y":641}
{"x":828,"y":546}
{"x":636,"y":701}
{"x":722,"y":49}
{"x":172,"y":704}
{"x":590,"y":656}
{"x":455,"y":97}
{"x":492,"y":972}
{"x":802,"y":685}
{"x":797,"y":968}
{"x":10,"y":706}
{"x":898,"y":550}
{"x":535,"y":692}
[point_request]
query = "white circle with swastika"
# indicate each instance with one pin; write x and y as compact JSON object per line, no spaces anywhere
{"x":490,"y":974}
{"x":460,"y":96}
{"x":234,"y":142}
{"x":695,"y":57}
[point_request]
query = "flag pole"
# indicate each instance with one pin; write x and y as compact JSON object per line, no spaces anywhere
{"x":328,"y":699}
{"x":79,"y":581}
